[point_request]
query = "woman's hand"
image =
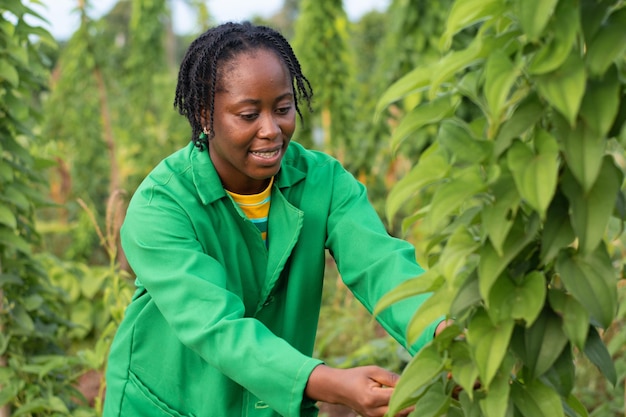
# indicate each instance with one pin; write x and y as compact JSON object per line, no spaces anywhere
{"x":366,"y":389}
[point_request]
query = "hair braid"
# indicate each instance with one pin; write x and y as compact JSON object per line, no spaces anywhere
{"x":199,"y":72}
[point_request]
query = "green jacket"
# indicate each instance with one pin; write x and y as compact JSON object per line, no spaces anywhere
{"x":222,"y":326}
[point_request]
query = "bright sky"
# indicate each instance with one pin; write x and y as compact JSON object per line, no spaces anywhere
{"x":64,"y":18}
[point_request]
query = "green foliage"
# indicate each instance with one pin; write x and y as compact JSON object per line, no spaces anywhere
{"x":516,"y":199}
{"x":36,"y":377}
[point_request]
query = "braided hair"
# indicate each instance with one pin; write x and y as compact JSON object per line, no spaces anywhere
{"x":204,"y":60}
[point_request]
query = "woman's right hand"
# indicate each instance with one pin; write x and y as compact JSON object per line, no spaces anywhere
{"x":365,"y":389}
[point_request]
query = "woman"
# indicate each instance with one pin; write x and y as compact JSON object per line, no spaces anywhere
{"x":227,"y":239}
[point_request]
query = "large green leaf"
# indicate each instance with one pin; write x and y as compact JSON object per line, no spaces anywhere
{"x":432,"y":167}
{"x":562,"y":374}
{"x":558,"y":47}
{"x":544,"y":341}
{"x":534,"y":399}
{"x":435,"y":307}
{"x":591,"y":211}
{"x":422,"y":115}
{"x":451,"y":195}
{"x":601,"y":103}
{"x":491,"y":264}
{"x":498,"y":216}
{"x":596,"y":351}
{"x":456,"y":137}
{"x":500,"y":75}
{"x":575,"y":317}
{"x":427,"y":282}
{"x":460,"y":245}
{"x":7,"y":217}
{"x":464,"y":371}
{"x":489,"y":343}
{"x":535,"y":173}
{"x":609,"y":43}
{"x":420,"y":371}
{"x":522,"y":120}
{"x":592,"y":280}
{"x":498,"y":401}
{"x":583,"y":149}
{"x":557,"y":229}
{"x":467,"y":297}
{"x":416,"y":80}
{"x":467,"y":12}
{"x":435,"y":401}
{"x":518,"y":300}
{"x":564,"y":87}
{"x":533,"y":15}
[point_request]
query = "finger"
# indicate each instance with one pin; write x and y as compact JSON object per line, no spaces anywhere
{"x":384,"y":377}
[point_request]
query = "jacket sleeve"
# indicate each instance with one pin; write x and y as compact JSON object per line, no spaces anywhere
{"x":191,"y":292}
{"x":369,"y":260}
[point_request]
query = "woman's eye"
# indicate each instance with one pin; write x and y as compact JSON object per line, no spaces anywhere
{"x":249,"y":116}
{"x":283,"y":110}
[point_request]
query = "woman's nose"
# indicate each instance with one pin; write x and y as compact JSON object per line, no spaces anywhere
{"x":269,"y":127}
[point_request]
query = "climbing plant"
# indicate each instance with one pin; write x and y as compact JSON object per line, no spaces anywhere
{"x":520,"y":202}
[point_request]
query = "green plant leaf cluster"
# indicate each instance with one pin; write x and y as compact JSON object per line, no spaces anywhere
{"x":517,"y":199}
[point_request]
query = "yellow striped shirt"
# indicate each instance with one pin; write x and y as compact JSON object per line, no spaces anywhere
{"x":256,"y":207}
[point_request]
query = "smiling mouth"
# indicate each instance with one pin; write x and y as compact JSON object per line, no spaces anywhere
{"x":266,"y":154}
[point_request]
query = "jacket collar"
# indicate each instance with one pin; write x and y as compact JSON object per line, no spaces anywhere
{"x":209,"y":186}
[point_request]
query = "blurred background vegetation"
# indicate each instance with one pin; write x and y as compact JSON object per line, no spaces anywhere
{"x":85,"y":119}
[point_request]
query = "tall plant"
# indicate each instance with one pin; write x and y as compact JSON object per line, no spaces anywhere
{"x":521,"y":204}
{"x":36,"y":377}
{"x":321,"y":42}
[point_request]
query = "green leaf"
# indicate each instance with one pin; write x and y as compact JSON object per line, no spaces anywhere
{"x":8,"y":73}
{"x":464,"y":371}
{"x":467,"y":297}
{"x":498,"y":217}
{"x":498,"y":402}
{"x":608,"y":45}
{"x":557,"y":48}
{"x":534,"y":399}
{"x":521,"y":300}
{"x":416,"y":80}
{"x":422,"y":115}
{"x":597,"y":353}
{"x":557,"y":229}
{"x":7,"y":217}
{"x":533,"y":15}
{"x":491,"y":264}
{"x":450,"y":196}
{"x":434,"y":402}
{"x":575,"y":317}
{"x":435,"y":306}
{"x":489,"y":343}
{"x":456,"y":137}
{"x":544,"y":341}
{"x":601,"y":103}
{"x":522,"y":120}
{"x":578,"y":407}
{"x":10,"y":239}
{"x":461,"y":244}
{"x":564,"y":87}
{"x":432,"y":167}
{"x":592,"y":281}
{"x":591,"y":211}
{"x":465,"y":13}
{"x":562,"y":375}
{"x":535,"y":173}
{"x":427,"y":282}
{"x":420,"y":371}
{"x":583,"y":150}
{"x":500,"y":75}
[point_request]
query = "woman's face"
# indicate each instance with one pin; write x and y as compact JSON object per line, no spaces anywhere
{"x":254,"y":118}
